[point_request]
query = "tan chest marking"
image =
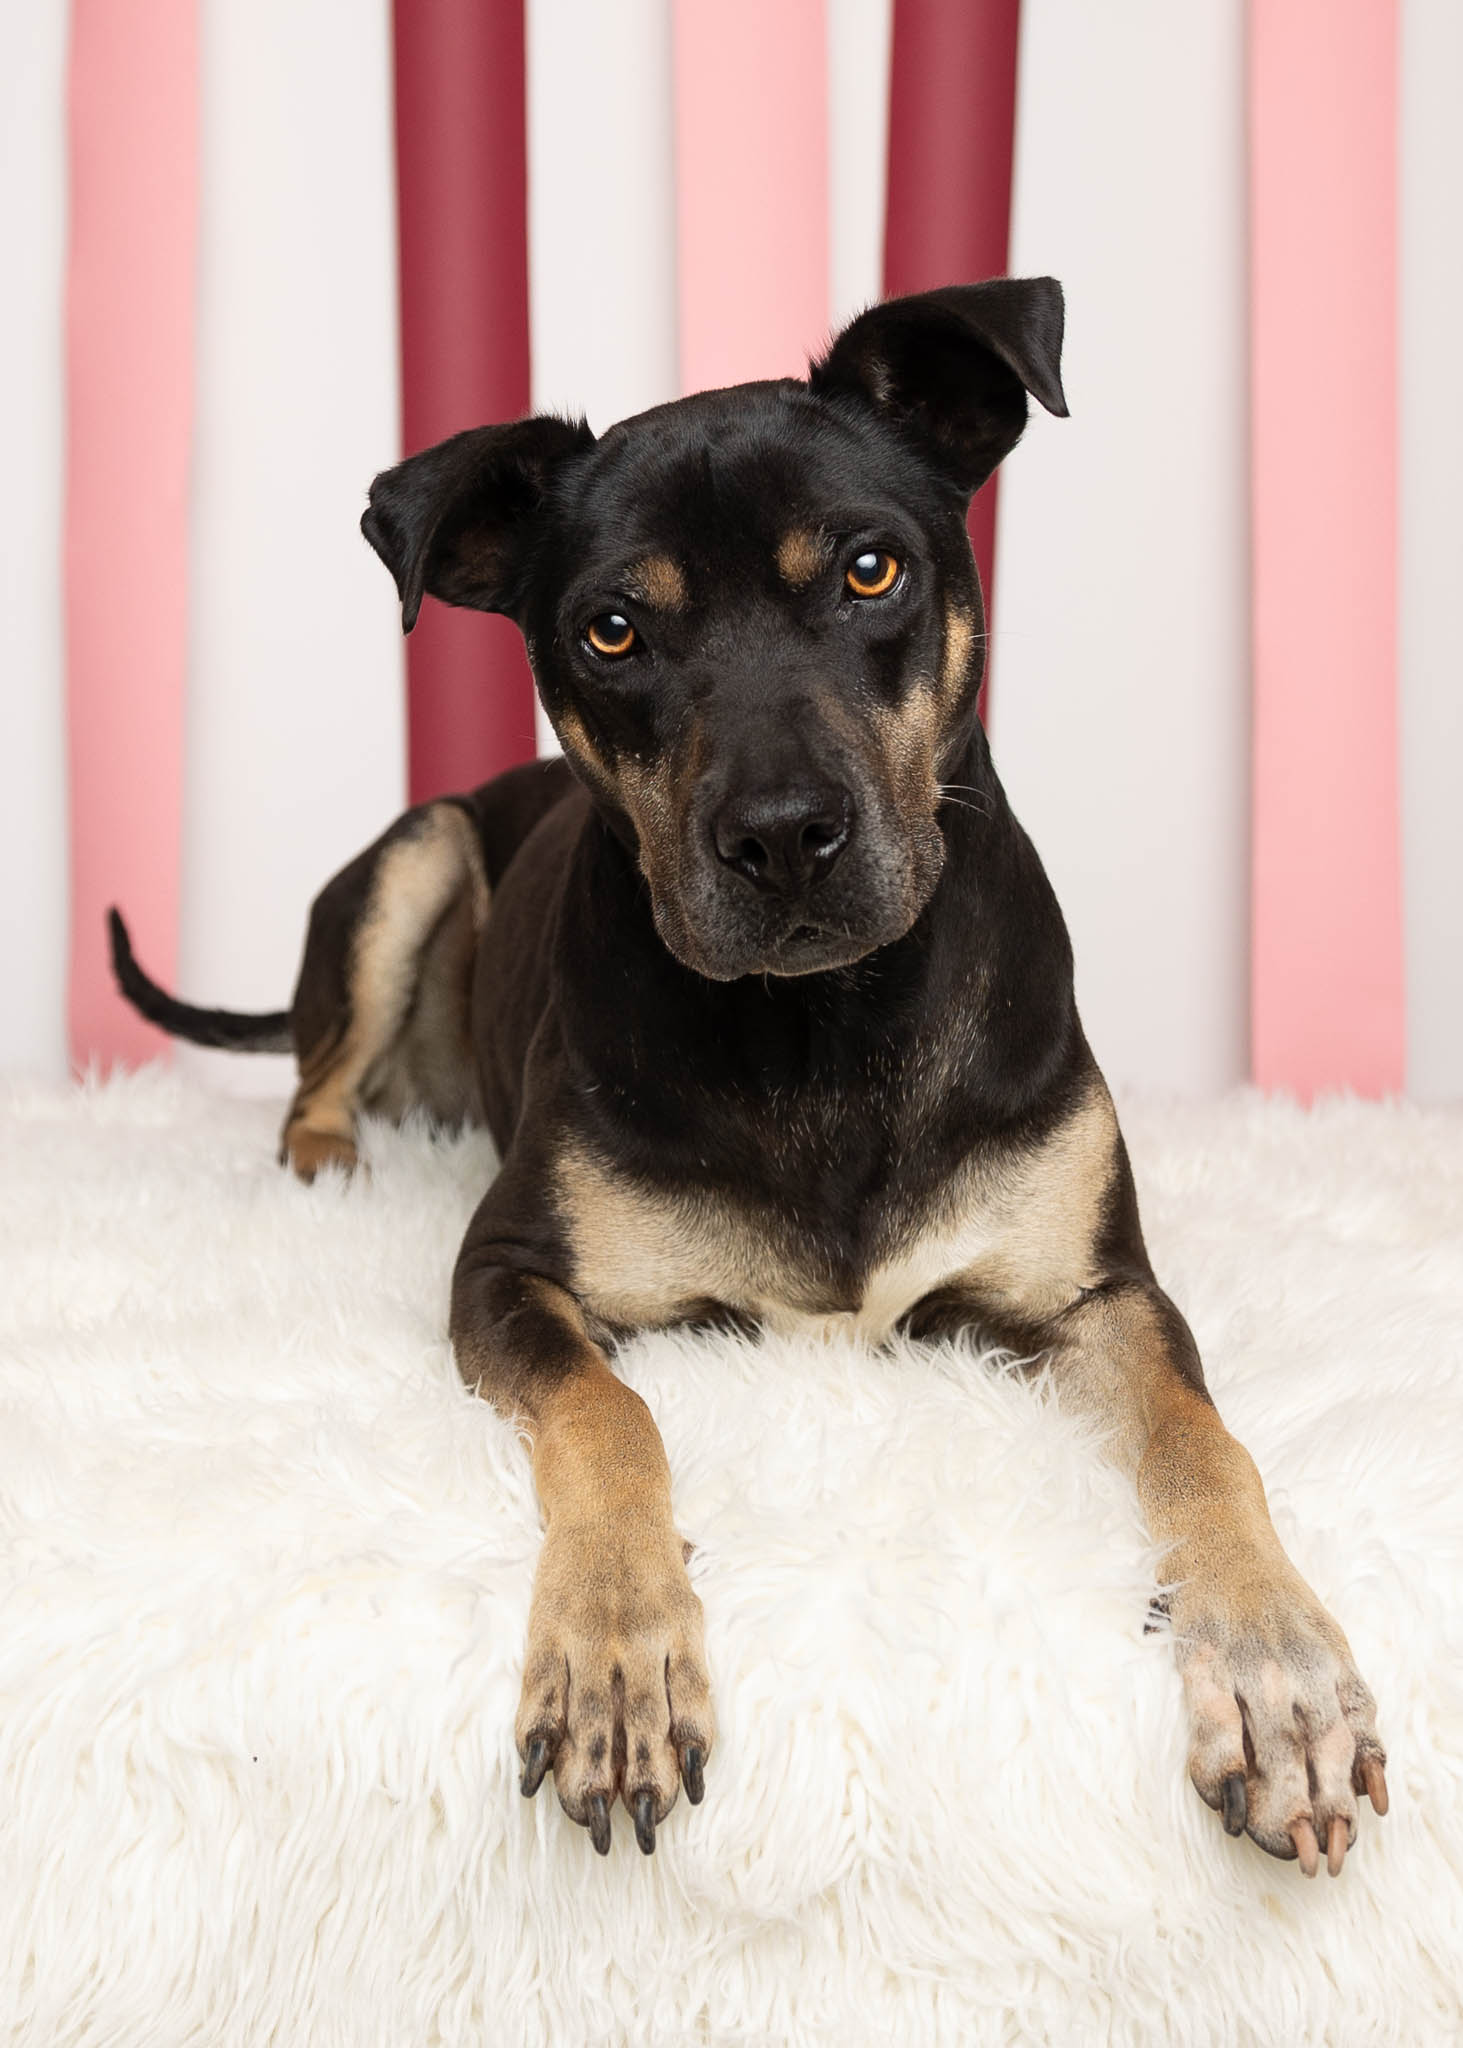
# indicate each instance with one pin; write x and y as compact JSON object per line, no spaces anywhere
{"x":1017,"y":1233}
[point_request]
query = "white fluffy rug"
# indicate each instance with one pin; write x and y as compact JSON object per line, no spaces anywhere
{"x":265,"y":1572}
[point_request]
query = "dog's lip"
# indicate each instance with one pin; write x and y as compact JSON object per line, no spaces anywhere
{"x":804,"y":940}
{"x":805,"y":948}
{"x":810,"y":948}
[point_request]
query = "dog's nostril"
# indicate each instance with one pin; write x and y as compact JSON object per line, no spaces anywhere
{"x":748,"y":853}
{"x":822,"y":834}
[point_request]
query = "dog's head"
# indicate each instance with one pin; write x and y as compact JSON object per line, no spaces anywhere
{"x":753,"y":615}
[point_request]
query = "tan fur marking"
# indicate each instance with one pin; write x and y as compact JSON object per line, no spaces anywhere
{"x":647,"y":794}
{"x":582,"y":752}
{"x":1050,"y":1204}
{"x":959,"y":639}
{"x":1200,"y":1491}
{"x":597,"y":1452}
{"x":656,"y":796}
{"x":1272,"y":1690}
{"x":573,"y":736}
{"x":311,"y":1149}
{"x":802,"y":554}
{"x":908,"y":740}
{"x":643,"y":1258}
{"x":897,"y":746}
{"x":1017,"y":1235}
{"x":415,"y":885}
{"x":660,"y":582}
{"x":614,"y":1674}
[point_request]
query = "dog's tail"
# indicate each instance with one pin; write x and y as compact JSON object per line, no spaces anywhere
{"x":233,"y":1030}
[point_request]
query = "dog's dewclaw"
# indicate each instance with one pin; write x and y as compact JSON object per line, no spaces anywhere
{"x":1307,"y":1848}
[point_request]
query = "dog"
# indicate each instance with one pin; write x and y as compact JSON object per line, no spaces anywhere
{"x":766,"y":1000}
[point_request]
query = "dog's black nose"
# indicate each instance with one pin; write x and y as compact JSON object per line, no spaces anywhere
{"x":785,"y":840}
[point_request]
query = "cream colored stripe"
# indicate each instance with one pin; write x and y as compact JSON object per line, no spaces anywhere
{"x":33,"y":823}
{"x":1121,"y":664}
{"x":1431,"y":523}
{"x":295,"y":722}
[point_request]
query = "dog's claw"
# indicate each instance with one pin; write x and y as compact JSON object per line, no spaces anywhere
{"x":645,"y":1823}
{"x":1337,"y":1844}
{"x":691,"y":1777}
{"x":1233,"y":1808}
{"x":1374,"y":1782}
{"x":599,"y":1823}
{"x":1307,"y":1848}
{"x":534,"y":1766}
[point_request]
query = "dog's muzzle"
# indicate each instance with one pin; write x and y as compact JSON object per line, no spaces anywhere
{"x":789,"y":879}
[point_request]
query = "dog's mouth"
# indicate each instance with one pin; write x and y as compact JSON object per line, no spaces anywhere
{"x":805,"y":947}
{"x":814,"y":948}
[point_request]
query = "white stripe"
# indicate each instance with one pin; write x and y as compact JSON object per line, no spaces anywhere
{"x":1431,"y":541}
{"x":601,"y":212}
{"x":860,"y":37}
{"x":1120,"y":677}
{"x":295,"y":708}
{"x":33,"y":817}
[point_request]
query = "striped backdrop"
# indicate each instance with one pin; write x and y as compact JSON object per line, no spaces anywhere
{"x":255,"y":253}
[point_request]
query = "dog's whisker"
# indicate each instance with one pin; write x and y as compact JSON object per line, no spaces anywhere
{"x":948,"y":796}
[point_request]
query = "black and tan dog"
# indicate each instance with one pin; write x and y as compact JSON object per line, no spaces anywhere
{"x":766,"y":1000}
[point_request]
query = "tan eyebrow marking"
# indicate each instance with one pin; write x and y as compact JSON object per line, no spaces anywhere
{"x":659,"y":581}
{"x":801,"y":554}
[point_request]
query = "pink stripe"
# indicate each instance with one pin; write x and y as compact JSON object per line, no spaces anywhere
{"x":129,"y":394}
{"x":1327,"y":933}
{"x":752,"y":188}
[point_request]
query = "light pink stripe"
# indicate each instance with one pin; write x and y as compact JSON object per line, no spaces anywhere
{"x":129,"y":395}
{"x":751,"y":87}
{"x":1327,"y":931}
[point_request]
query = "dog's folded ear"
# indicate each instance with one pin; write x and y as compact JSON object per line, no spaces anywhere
{"x":458,"y":520}
{"x":952,"y":368}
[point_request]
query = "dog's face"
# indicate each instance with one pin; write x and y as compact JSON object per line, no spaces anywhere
{"x":753,"y":615}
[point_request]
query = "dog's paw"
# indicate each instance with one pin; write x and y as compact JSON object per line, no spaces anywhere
{"x":616,"y":1700}
{"x":310,"y":1151}
{"x":1282,"y":1726}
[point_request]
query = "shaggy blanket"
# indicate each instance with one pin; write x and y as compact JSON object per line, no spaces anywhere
{"x":266,"y":1569}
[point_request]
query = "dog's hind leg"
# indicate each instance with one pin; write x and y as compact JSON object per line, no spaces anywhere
{"x":381,"y":1011}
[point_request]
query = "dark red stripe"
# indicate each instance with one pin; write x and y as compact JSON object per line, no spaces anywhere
{"x":952,"y":121}
{"x":462,"y":204}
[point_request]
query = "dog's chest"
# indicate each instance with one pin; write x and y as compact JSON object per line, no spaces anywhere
{"x":1015,"y":1230}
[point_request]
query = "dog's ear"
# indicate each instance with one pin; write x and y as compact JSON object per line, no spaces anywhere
{"x":458,"y":519}
{"x":953,"y":367}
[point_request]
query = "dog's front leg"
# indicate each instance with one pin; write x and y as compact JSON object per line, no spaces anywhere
{"x":1283,"y":1733}
{"x":615,"y":1694}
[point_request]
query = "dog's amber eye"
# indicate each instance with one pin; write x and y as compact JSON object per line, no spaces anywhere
{"x":610,"y":635}
{"x":873,"y":573}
